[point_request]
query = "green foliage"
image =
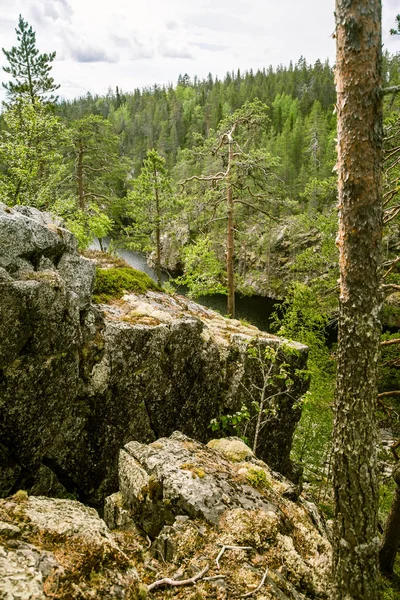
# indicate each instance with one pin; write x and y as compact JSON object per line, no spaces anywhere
{"x":203,"y":272}
{"x":235,"y":422}
{"x":31,"y":155}
{"x":397,"y":30}
{"x":112,"y":283}
{"x":271,"y":379}
{"x":151,"y":206}
{"x":305,"y":321}
{"x":29,"y":69}
{"x":94,"y":161}
{"x":317,"y":263}
{"x":390,"y":586}
{"x":85,"y":225}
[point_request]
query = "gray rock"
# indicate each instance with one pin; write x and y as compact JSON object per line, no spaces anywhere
{"x":66,"y":517}
{"x":77,"y":535}
{"x":77,"y":381}
{"x":9,"y":531}
{"x":47,"y":484}
{"x":31,"y":236}
{"x":78,"y":274}
{"x":20,"y":578}
{"x":115,"y":515}
{"x":178,"y":476}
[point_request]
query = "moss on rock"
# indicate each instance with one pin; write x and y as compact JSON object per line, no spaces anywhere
{"x":112,"y":283}
{"x":233,"y":448}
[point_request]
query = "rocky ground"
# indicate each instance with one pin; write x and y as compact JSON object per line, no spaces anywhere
{"x":190,"y":521}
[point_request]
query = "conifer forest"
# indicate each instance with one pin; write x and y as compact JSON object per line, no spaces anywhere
{"x":229,"y":186}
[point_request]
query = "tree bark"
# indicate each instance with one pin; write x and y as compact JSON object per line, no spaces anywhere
{"x":358,"y":84}
{"x":79,"y":176}
{"x":230,"y":236}
{"x":158,"y":229}
{"x":391,"y":535}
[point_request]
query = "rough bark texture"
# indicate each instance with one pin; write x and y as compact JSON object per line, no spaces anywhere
{"x":358,"y":81}
{"x":79,"y":176}
{"x":391,"y":536}
{"x":230,"y":238}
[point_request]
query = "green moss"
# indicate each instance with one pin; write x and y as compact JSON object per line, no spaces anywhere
{"x":196,"y":471}
{"x":113,"y":283}
{"x":258,"y":478}
{"x":20,"y":496}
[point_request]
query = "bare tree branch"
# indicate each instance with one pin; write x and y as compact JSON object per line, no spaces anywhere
{"x":177,"y":583}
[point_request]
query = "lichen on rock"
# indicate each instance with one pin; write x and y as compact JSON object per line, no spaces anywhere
{"x":78,"y":380}
{"x":63,"y":549}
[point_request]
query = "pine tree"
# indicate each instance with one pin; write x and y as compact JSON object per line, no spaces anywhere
{"x":29,"y":69}
{"x":151,"y":207}
{"x":32,"y":166}
{"x":359,"y":107}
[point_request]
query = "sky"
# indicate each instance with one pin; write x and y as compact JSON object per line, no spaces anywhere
{"x":138,"y":43}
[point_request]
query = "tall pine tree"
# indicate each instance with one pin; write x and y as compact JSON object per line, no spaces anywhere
{"x":29,"y":69}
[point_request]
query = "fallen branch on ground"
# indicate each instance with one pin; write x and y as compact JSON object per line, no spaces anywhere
{"x":264,"y":577}
{"x":177,"y":582}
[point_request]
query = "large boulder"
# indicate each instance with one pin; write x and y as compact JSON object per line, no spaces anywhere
{"x":78,"y":381}
{"x":216,"y":515}
{"x":53,"y":548}
{"x":192,"y":499}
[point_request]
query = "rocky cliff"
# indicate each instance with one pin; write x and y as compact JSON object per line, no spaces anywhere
{"x":78,"y":381}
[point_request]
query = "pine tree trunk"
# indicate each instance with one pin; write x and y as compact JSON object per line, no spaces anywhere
{"x":79,"y":177}
{"x":391,"y":535}
{"x":230,"y":239}
{"x":358,"y":81}
{"x":158,"y":229}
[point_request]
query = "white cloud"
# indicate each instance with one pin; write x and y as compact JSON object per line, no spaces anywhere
{"x":135,"y":44}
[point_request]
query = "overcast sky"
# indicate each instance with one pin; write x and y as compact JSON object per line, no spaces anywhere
{"x":132,"y":43}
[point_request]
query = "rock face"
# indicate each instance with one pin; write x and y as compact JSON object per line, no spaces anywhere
{"x":206,"y":509}
{"x":60,"y":548}
{"x":178,"y":476}
{"x":78,"y":381}
{"x":182,"y":493}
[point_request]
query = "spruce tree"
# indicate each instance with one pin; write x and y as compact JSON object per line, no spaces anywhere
{"x":29,"y":69}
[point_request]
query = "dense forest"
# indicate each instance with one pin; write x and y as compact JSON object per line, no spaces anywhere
{"x":229,"y":183}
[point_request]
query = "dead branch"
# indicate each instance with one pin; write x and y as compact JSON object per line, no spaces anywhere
{"x":390,"y":342}
{"x":393,"y":448}
{"x":177,"y":582}
{"x":391,"y":214}
{"x":385,"y":408}
{"x":394,"y":263}
{"x":387,"y":394}
{"x":220,"y":176}
{"x":390,"y":90}
{"x":391,"y":286}
{"x":221,"y":552}
{"x":264,"y":577}
{"x":264,"y":212}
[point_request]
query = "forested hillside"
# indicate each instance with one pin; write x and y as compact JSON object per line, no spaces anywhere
{"x":85,"y":156}
{"x":230,"y":185}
